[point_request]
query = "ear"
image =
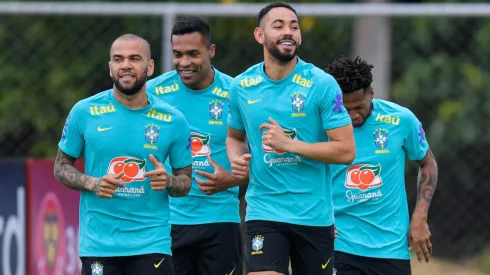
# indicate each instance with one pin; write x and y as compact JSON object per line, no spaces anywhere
{"x":259,"y":35}
{"x":372,"y":93}
{"x":110,"y":71}
{"x":212,"y":51}
{"x":150,"y":67}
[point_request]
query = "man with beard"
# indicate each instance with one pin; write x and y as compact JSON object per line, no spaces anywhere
{"x":370,"y":202}
{"x":123,"y":134}
{"x":292,"y":114}
{"x":206,"y":236}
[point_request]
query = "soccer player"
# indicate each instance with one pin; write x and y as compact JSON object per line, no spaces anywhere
{"x":370,"y":203}
{"x":124,"y":135}
{"x":293,"y":117}
{"x":206,"y":236}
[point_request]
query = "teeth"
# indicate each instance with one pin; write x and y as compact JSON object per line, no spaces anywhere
{"x":126,"y":76}
{"x":288,"y":43}
{"x":186,"y":72}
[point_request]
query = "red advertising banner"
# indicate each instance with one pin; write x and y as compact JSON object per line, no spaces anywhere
{"x":52,"y":218}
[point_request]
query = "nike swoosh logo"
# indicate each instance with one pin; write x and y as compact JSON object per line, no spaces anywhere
{"x":231,"y":273}
{"x":158,"y":264}
{"x":325,"y":265}
{"x":100,"y":129}
{"x":253,"y":101}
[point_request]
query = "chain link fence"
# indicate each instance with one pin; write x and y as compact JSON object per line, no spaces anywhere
{"x":440,"y":69}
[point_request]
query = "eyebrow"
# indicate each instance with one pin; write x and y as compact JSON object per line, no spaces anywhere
{"x":282,"y":21}
{"x":188,"y":51}
{"x":133,"y":55}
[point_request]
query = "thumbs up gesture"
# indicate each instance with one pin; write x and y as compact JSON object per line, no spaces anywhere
{"x":274,"y":136}
{"x":158,"y":177}
{"x":240,"y":167}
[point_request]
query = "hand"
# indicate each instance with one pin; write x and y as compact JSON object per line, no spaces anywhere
{"x":106,"y":186}
{"x":158,"y":177}
{"x":220,"y":180}
{"x":240,"y":167}
{"x":274,"y":136}
{"x":419,"y":238}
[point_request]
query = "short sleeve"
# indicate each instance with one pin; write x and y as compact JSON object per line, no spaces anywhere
{"x":415,"y":144}
{"x":235,"y":120}
{"x":179,"y":154}
{"x":332,"y":110}
{"x":72,"y":138}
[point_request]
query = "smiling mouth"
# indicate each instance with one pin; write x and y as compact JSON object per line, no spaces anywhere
{"x":187,"y":72}
{"x":287,"y":42}
{"x":126,"y":76}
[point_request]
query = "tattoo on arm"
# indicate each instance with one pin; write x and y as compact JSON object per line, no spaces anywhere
{"x":427,"y":183}
{"x":179,"y":183}
{"x":67,"y":174}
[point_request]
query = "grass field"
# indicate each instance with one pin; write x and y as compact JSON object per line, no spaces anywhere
{"x":438,"y":267}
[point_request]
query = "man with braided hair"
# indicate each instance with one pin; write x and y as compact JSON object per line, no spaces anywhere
{"x":370,"y":203}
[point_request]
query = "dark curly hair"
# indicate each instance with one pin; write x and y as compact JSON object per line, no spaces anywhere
{"x":352,"y":75}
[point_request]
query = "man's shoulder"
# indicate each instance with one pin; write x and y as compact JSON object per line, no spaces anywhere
{"x":223,"y":78}
{"x":100,"y":99}
{"x":390,"y":110}
{"x":250,"y":77}
{"x":160,"y":106}
{"x":392,"y":107}
{"x":166,"y":79}
{"x":311,"y":75}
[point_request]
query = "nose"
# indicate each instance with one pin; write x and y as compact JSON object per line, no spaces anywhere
{"x":185,"y":61}
{"x":353,"y":114}
{"x":126,"y":64}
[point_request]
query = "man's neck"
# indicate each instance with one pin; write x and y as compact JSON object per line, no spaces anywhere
{"x":137,"y":101}
{"x":206,"y":82}
{"x":277,"y":70}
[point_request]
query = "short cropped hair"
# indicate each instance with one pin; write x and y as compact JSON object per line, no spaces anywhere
{"x":263,"y":12}
{"x":190,"y":24}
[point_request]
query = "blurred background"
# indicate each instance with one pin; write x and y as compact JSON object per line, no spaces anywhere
{"x":432,"y":59}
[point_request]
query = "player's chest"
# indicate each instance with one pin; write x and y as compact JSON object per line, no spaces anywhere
{"x":206,"y":114}
{"x":147,"y":132}
{"x":379,"y":141}
{"x":297,"y":103}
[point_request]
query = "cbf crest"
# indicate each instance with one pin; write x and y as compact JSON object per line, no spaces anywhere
{"x":216,"y":112}
{"x":381,"y":138}
{"x":298,"y":100}
{"x":257,"y":245}
{"x":152,"y":132}
{"x":216,"y":109}
{"x":97,"y":268}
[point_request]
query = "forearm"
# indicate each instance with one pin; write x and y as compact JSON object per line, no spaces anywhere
{"x":427,"y":182}
{"x":179,"y":186}
{"x":335,"y":152}
{"x":230,"y":181}
{"x":235,"y":147}
{"x":71,"y":177}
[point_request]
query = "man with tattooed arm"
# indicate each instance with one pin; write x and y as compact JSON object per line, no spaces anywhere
{"x":124,"y":135}
{"x":370,"y":204}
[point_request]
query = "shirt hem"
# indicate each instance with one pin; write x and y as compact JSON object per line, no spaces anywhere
{"x":197,"y":222}
{"x":291,"y":221}
{"x":369,"y":255}
{"x":121,"y":254}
